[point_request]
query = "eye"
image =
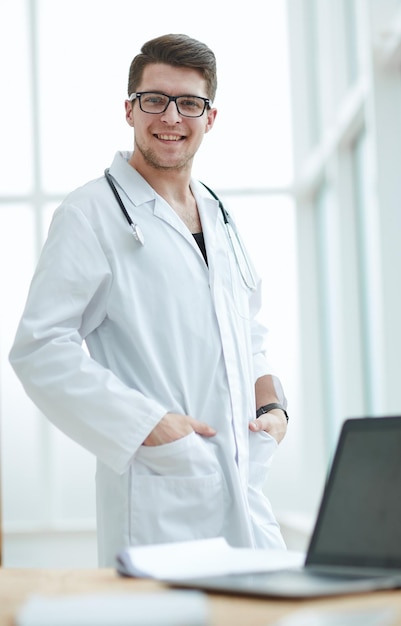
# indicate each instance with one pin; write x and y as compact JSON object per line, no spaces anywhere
{"x":153,"y":98}
{"x":191,"y":103}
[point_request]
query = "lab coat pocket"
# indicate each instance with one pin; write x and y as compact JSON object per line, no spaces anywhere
{"x":262,"y":447}
{"x":177,"y":492}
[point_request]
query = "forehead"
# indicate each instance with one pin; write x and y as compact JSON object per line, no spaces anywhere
{"x":172,"y":80}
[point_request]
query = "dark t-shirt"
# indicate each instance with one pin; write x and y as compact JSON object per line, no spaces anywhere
{"x":200,"y":240}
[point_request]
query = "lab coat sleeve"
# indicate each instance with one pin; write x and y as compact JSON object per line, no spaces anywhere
{"x":67,"y":300}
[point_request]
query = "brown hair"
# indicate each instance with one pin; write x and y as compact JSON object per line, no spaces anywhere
{"x":178,"y":51}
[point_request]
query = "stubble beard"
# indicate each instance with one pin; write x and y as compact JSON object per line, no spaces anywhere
{"x":152,"y":160}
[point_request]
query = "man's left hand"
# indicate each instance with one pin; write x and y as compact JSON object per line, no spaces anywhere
{"x":274,"y":422}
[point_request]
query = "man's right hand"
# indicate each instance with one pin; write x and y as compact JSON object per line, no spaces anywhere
{"x":174,"y":426}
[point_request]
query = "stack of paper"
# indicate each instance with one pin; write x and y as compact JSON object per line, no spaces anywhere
{"x":204,"y":557}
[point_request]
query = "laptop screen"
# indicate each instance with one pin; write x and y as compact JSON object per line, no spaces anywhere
{"x":359,"y":521}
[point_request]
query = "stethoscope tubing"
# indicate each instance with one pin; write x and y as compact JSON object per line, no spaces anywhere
{"x":135,"y":228}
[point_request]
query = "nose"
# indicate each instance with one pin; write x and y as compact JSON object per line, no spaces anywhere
{"x":171,"y":114}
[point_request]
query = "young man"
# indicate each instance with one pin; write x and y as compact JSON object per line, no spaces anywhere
{"x":165,"y":302}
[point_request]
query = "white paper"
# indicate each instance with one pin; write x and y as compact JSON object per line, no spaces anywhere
{"x":170,"y":608}
{"x":204,"y":557}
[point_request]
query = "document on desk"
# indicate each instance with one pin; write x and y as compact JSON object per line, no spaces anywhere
{"x":202,"y":557}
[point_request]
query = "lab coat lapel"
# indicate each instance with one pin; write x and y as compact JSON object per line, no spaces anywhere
{"x":209,"y":212}
{"x":163,"y":211}
{"x":135,"y":187}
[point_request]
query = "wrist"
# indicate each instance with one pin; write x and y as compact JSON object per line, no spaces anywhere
{"x":266,"y":408}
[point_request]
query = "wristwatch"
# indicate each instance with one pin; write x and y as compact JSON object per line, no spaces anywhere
{"x":269,"y":407}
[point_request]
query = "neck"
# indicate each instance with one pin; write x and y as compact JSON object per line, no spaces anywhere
{"x":172,"y":184}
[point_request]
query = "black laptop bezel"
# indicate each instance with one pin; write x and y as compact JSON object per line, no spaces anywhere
{"x":315,"y":558}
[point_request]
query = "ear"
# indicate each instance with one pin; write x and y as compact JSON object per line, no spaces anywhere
{"x":129,"y":112}
{"x":211,"y":116}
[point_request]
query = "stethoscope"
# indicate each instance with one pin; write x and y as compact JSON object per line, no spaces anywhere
{"x":241,"y":257}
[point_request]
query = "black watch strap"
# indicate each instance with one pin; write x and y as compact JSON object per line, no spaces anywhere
{"x":269,"y":407}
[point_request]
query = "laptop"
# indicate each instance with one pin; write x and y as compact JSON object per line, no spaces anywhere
{"x":355,"y":545}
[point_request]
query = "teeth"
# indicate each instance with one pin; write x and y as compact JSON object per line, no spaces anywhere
{"x":169,"y":137}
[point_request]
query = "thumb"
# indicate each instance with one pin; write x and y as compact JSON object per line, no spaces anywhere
{"x":256,"y":425}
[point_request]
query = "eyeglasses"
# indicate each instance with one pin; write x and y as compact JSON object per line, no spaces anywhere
{"x":154,"y":102}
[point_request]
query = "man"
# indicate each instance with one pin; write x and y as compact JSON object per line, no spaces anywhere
{"x":165,"y":299}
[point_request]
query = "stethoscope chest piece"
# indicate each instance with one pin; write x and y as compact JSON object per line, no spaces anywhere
{"x":138,"y":234}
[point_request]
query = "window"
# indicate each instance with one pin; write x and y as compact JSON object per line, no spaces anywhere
{"x":348,"y":213}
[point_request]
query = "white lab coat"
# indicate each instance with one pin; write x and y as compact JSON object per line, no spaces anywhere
{"x":165,"y":333}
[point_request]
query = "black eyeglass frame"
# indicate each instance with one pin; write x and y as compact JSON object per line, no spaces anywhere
{"x":137,"y":96}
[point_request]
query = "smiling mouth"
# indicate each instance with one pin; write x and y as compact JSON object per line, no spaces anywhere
{"x":169,"y":137}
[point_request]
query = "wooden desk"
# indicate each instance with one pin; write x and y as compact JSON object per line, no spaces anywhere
{"x":17,"y":584}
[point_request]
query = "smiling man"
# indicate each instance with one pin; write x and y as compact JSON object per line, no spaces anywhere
{"x":174,"y":394}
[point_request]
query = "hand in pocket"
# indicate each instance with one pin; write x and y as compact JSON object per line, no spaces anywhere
{"x":174,"y":426}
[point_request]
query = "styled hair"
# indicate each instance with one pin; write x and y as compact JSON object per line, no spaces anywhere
{"x":178,"y":51}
